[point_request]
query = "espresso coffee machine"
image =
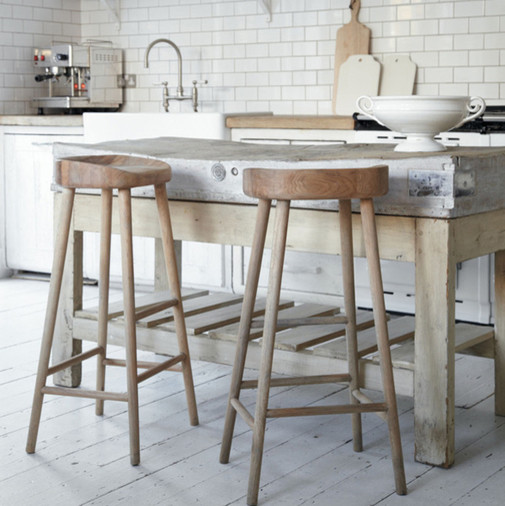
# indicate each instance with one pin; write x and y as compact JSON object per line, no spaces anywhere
{"x":79,"y":77}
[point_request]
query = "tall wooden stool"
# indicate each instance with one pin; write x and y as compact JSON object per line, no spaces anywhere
{"x":110,"y":172}
{"x":284,"y":185}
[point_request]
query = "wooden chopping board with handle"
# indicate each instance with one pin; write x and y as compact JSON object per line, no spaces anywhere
{"x":352,"y":38}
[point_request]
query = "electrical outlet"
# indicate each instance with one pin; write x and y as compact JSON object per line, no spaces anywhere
{"x":127,"y":81}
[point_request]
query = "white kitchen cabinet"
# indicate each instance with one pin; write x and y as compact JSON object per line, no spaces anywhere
{"x":306,"y":276}
{"x":318,"y":277}
{"x":203,"y":265}
{"x":28,"y":165}
{"x":28,"y":171}
{"x":292,"y":136}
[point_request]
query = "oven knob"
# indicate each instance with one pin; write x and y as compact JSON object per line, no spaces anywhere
{"x":218,"y":172}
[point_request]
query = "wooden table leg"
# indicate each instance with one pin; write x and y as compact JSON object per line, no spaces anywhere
{"x":160,"y":271}
{"x":64,"y":345}
{"x":434,"y":342}
{"x":499,"y":332}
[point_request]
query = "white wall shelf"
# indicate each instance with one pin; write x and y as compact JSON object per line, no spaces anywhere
{"x":266,"y":5}
{"x":114,"y":7}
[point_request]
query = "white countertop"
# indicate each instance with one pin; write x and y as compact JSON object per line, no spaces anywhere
{"x":41,"y":120}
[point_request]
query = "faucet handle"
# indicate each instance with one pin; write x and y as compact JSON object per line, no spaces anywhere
{"x":165,"y":92}
{"x":195,"y":93}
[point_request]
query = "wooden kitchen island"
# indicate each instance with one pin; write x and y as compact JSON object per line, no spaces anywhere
{"x":443,"y":208}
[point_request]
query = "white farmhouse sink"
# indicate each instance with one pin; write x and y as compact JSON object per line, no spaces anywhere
{"x":109,"y":126}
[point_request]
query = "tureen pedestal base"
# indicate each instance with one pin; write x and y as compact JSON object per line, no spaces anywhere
{"x":420,"y":142}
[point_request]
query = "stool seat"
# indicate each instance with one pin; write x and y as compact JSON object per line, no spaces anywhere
{"x":121,"y":172}
{"x":316,"y":184}
{"x":284,"y":185}
{"x":111,"y":172}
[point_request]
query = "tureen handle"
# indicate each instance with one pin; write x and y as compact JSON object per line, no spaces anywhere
{"x":365,"y":106}
{"x":476,"y":107}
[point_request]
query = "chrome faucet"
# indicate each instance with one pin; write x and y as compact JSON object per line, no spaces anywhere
{"x":180,"y":90}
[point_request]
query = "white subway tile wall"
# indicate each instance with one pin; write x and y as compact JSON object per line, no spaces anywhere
{"x":284,"y":65}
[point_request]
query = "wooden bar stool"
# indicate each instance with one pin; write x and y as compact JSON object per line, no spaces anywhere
{"x":111,"y":172}
{"x":284,"y":185}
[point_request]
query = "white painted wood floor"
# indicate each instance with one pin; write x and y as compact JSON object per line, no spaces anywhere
{"x":83,"y":459}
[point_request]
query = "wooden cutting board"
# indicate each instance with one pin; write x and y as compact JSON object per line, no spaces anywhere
{"x":398,"y":75}
{"x":352,"y":38}
{"x":359,"y":75}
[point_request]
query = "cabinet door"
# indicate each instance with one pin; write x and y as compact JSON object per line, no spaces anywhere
{"x":28,"y":163}
{"x":309,"y":277}
{"x":204,"y":265}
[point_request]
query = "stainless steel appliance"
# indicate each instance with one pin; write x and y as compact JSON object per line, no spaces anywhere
{"x":79,"y":77}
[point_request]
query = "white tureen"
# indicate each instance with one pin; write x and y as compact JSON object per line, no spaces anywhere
{"x":420,"y":117}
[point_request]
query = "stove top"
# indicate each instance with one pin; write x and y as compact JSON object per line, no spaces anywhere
{"x":492,"y":121}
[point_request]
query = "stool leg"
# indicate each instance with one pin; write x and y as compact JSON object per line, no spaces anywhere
{"x":125,"y":219}
{"x":60,"y":251}
{"x":345,"y":214}
{"x":372,"y":253}
{"x":267,"y":347}
{"x":103,"y":296}
{"x":173,"y":281}
{"x":251,"y":287}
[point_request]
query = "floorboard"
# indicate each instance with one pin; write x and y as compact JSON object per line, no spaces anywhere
{"x":83,"y":459}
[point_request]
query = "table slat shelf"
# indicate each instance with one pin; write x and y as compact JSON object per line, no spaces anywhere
{"x":213,"y":318}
